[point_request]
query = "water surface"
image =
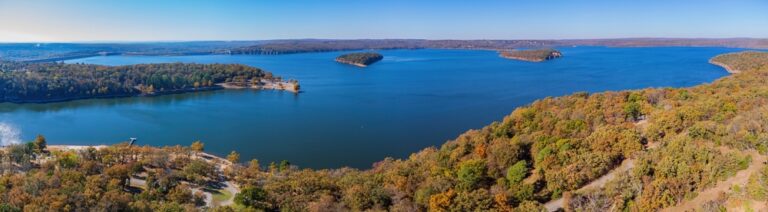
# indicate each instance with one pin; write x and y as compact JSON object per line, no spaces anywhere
{"x":350,"y":116}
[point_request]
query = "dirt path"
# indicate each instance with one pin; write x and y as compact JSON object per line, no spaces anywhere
{"x":232,"y":189}
{"x":746,"y":205}
{"x":221,"y":165}
{"x":627,"y":164}
{"x":208,"y":196}
{"x":138,"y":183}
{"x":741,"y":178}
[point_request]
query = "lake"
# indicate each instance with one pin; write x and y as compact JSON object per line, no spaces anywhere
{"x":351,"y":116}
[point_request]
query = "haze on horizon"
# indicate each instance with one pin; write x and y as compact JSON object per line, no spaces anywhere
{"x":189,"y":20}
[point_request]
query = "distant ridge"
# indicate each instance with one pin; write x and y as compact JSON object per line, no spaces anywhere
{"x":49,"y":52}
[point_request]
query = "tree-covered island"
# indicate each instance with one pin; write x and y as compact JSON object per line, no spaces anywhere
{"x":362,"y":59}
{"x":532,"y":55}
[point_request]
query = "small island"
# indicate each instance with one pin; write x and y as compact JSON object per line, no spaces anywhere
{"x":363,"y":59}
{"x":533,"y":55}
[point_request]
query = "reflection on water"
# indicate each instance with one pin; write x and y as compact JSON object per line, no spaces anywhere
{"x":110,"y":102}
{"x":105,"y":102}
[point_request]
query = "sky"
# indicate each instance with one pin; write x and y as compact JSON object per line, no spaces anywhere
{"x":189,"y":20}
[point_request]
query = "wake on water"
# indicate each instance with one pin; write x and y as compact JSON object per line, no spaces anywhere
{"x":402,"y":59}
{"x":9,"y":134}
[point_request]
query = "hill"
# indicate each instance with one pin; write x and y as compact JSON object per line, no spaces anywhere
{"x":300,"y":46}
{"x":49,"y":52}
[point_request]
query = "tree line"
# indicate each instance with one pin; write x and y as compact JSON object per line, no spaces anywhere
{"x":44,"y":82}
{"x":362,"y":58}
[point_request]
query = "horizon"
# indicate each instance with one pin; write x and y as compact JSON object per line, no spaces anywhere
{"x":89,"y":21}
{"x":338,"y":39}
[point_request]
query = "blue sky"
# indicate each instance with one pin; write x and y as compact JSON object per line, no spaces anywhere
{"x":178,"y":20}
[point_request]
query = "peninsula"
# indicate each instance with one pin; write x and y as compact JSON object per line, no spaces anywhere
{"x":25,"y":82}
{"x":533,"y":55}
{"x":363,"y":59}
{"x":731,"y":62}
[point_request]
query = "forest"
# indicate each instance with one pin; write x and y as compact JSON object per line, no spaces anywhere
{"x":360,"y":59}
{"x":49,"y":82}
{"x":738,"y":62}
{"x":680,"y":142}
{"x":302,"y":46}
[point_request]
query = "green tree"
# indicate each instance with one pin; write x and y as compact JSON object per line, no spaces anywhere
{"x":284,"y":165}
{"x":180,"y":194}
{"x":632,"y":110}
{"x":68,"y":160}
{"x":8,"y":208}
{"x":516,"y":173}
{"x":198,"y":171}
{"x":252,"y":197}
{"x":471,"y":173}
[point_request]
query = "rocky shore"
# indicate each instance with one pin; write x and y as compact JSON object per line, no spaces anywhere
{"x":292,"y":86}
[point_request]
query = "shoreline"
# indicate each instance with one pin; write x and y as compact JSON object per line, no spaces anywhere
{"x":264,"y":85}
{"x":66,"y":147}
{"x":75,"y":147}
{"x":522,"y":59}
{"x":724,"y":66}
{"x":352,"y":63}
{"x":282,"y":86}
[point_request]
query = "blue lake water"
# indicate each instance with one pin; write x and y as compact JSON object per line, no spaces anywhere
{"x":350,"y":116}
